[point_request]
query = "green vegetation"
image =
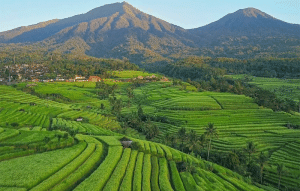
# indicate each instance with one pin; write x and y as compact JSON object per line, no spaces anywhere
{"x":76,"y":139}
{"x":176,"y":180}
{"x":154,"y":173}
{"x":137,"y":178}
{"x":127,"y":180}
{"x":98,"y":179}
{"x":146,"y":184}
{"x":282,"y":88}
{"x":82,"y":171}
{"x":64,"y":172}
{"x":164,"y":182}
{"x":117,"y":176}
{"x":31,"y":170}
{"x":129,"y":74}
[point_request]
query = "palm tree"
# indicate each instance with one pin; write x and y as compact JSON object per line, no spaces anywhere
{"x":189,"y":166}
{"x":262,"y":161}
{"x":167,"y":138}
{"x":173,"y":140}
{"x":280,"y":171}
{"x":182,"y":135}
{"x":233,"y":160}
{"x":211,"y":132}
{"x":250,"y":149}
{"x":193,"y":141}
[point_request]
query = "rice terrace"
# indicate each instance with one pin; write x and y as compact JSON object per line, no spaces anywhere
{"x":116,"y":99}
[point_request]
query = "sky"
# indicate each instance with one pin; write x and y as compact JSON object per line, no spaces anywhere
{"x":185,"y":13}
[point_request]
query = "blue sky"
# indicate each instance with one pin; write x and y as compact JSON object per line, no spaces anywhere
{"x":187,"y":14}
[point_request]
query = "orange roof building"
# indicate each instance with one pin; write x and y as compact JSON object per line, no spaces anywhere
{"x":94,"y":79}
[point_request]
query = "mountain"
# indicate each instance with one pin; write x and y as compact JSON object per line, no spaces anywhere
{"x":248,"y":22}
{"x":250,"y":29}
{"x":113,"y":30}
{"x":119,"y":30}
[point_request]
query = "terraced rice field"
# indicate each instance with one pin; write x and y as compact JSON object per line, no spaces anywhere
{"x":101,"y":163}
{"x":28,"y":110}
{"x":95,"y":159}
{"x":283,"y":88}
{"x":237,"y":118}
{"x":129,"y":74}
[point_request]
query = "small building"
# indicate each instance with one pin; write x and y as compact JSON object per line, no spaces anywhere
{"x":35,"y":80}
{"x":79,"y":119}
{"x":77,"y":77}
{"x":94,"y":79}
{"x":126,"y":142}
{"x":164,"y":79}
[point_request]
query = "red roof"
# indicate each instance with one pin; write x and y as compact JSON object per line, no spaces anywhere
{"x":94,"y":78}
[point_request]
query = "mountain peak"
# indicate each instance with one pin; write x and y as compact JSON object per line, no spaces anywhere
{"x":253,"y":12}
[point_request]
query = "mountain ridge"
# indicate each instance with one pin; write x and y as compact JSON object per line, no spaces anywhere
{"x":120,"y":30}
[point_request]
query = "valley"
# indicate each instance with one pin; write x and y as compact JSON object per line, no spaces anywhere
{"x":118,"y":99}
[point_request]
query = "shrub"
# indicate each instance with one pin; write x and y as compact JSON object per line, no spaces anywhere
{"x":14,"y":124}
{"x":137,"y":145}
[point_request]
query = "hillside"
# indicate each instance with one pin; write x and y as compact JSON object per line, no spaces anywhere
{"x":44,"y":124}
{"x":43,"y":144}
{"x":120,"y":30}
{"x":248,"y":22}
{"x":115,"y":30}
{"x":249,"y":32}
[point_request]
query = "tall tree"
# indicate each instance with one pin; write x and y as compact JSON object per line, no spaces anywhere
{"x":250,"y":149}
{"x":182,"y":136}
{"x":232,"y":160}
{"x":140,"y":112}
{"x":167,"y":138}
{"x":210,"y":133}
{"x":193,"y":141}
{"x":280,"y":171}
{"x":262,"y":161}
